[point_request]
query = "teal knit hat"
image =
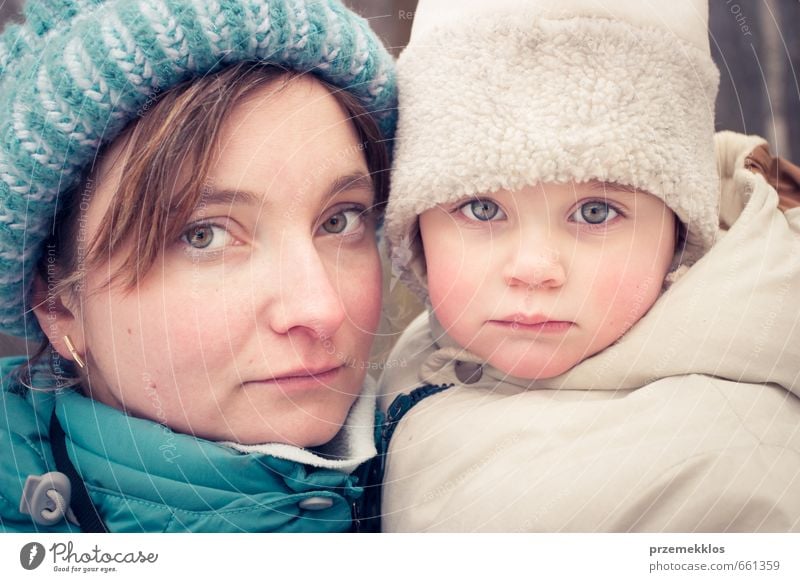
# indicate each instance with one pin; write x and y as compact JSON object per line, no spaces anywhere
{"x":77,"y":71}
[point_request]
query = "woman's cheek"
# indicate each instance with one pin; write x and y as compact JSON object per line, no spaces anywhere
{"x":360,"y":291}
{"x":196,"y":325}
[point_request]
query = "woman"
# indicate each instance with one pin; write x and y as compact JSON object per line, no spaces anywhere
{"x":193,"y":194}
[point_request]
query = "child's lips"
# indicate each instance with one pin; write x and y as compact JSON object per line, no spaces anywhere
{"x":536,"y":323}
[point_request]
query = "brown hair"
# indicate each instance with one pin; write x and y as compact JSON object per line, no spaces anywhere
{"x":177,"y":129}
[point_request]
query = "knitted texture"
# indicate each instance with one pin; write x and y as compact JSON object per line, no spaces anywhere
{"x":78,"y":71}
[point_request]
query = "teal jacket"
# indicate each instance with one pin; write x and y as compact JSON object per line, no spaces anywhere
{"x":142,"y":477}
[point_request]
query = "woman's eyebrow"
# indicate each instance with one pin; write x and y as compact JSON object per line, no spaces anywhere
{"x":230,"y":197}
{"x":353,"y":181}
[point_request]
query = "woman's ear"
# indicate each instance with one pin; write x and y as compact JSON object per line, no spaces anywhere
{"x":57,"y":319}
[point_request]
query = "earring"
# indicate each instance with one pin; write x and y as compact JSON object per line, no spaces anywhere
{"x":74,"y":352}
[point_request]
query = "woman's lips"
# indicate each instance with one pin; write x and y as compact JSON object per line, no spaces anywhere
{"x":301,"y":379}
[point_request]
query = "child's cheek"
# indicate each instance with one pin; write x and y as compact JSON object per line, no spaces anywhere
{"x":626,"y":295}
{"x":440,"y":264}
{"x":457,"y":279}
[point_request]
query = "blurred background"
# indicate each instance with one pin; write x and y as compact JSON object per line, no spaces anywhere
{"x":755,"y":43}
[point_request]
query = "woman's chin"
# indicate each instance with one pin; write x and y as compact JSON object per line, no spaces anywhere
{"x":315,"y":432}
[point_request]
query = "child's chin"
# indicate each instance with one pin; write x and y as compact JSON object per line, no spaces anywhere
{"x":532,"y":370}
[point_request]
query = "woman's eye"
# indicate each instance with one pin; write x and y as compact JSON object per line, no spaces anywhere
{"x":206,"y":237}
{"x":595,"y":212}
{"x":344,"y":221}
{"x":482,"y":210}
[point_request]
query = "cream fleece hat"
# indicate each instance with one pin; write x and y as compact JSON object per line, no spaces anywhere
{"x":510,"y":93}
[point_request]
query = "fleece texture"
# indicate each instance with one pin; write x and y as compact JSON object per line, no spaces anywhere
{"x":512,"y":99}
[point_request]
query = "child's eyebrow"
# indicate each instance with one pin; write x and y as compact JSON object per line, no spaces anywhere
{"x":603,"y":186}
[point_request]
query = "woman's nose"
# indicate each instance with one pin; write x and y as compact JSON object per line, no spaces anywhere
{"x":535,"y":263}
{"x":308,"y":301}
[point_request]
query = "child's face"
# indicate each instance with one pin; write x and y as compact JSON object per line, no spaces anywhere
{"x":255,"y":325}
{"x":537,"y":280}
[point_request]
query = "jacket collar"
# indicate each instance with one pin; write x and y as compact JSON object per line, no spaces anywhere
{"x":148,"y":461}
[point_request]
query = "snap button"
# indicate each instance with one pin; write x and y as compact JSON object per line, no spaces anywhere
{"x":315,"y":503}
{"x":46,"y":497}
{"x":468,"y":372}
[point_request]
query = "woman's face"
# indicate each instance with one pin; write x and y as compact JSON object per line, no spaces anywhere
{"x":256,"y":324}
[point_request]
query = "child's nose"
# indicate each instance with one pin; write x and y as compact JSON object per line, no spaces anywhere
{"x":308,"y":302}
{"x":539,"y":266}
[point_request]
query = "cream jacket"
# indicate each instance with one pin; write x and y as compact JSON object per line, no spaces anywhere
{"x":690,"y":422}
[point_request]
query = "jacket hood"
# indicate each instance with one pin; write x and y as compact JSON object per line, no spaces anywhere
{"x":732,"y":315}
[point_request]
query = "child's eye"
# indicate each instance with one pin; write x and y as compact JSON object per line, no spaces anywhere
{"x":206,"y":237}
{"x":594,"y":212}
{"x":482,"y":210}
{"x":345,"y":221}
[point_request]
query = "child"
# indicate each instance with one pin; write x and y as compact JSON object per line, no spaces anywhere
{"x":189,"y":197}
{"x":606,"y":349}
